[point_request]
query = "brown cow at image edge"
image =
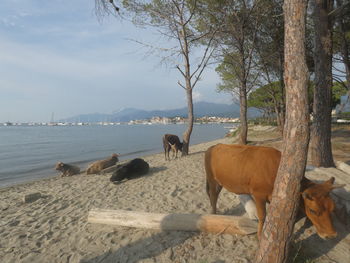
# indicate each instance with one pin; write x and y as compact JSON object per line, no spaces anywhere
{"x":244,"y":169}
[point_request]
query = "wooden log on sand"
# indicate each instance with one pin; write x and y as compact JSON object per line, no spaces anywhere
{"x":218,"y":224}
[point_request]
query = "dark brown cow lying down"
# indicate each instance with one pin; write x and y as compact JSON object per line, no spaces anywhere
{"x":244,"y":169}
{"x":98,"y":166}
{"x":129,"y":170}
{"x":67,"y":169}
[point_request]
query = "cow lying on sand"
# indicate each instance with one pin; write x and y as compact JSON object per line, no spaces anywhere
{"x":129,"y":170}
{"x":67,"y":169}
{"x":98,"y":166}
{"x":171,"y":142}
{"x":244,"y":169}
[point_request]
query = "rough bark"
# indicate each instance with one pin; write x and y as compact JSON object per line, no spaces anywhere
{"x":279,"y":223}
{"x":321,"y":147}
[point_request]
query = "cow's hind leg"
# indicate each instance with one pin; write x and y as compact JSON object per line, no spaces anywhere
{"x":261,"y":210}
{"x":213,"y":191}
{"x":166,"y":152}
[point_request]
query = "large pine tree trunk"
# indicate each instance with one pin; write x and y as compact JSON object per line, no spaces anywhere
{"x":321,"y":147}
{"x":243,"y":115}
{"x":279,"y":223}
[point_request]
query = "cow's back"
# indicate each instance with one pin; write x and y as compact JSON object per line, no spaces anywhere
{"x":171,"y":138}
{"x":243,"y":169}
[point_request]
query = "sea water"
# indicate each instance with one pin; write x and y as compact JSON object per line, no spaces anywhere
{"x":30,"y":152}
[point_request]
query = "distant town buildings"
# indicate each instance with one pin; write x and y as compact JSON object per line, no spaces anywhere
{"x":153,"y":120}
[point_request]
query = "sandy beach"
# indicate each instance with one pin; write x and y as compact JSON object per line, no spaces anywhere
{"x":54,"y":228}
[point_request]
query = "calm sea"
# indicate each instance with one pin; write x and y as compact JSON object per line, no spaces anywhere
{"x":30,"y":153}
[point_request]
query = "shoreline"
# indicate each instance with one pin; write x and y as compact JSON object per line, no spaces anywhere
{"x":56,"y":174}
{"x":54,"y":228}
{"x":42,"y":149}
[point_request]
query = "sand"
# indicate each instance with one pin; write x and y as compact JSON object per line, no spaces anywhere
{"x":54,"y":228}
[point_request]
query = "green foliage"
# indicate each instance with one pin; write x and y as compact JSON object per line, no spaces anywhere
{"x":263,"y":121}
{"x":267,"y":97}
{"x":338,"y":90}
{"x":344,"y":115}
{"x":227,"y":72}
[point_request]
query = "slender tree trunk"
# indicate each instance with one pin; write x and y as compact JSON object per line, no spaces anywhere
{"x":279,"y":223}
{"x":344,"y":48}
{"x":188,"y":88}
{"x":187,"y":133}
{"x":283,"y":97}
{"x":243,"y":114}
{"x":321,"y":147}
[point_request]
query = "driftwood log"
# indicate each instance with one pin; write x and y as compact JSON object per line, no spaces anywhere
{"x":217,"y":224}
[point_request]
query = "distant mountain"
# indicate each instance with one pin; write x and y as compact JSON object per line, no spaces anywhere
{"x":127,"y":114}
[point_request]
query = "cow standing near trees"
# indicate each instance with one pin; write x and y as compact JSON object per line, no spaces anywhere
{"x":243,"y":169}
{"x":171,"y":142}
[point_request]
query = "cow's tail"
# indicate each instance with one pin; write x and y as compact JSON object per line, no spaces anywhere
{"x":208,"y":170}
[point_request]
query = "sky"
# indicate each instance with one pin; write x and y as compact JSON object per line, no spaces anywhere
{"x":56,"y":57}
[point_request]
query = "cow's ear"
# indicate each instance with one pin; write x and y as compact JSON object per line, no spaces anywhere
{"x":330,"y":181}
{"x":307,"y":196}
{"x":334,"y":186}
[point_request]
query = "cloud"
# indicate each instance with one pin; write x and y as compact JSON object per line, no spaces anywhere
{"x":197,"y":96}
{"x":56,"y":56}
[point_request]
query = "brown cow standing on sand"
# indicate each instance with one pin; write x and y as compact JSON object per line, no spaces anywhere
{"x":171,"y":142}
{"x":98,"y":166}
{"x":244,"y":169}
{"x":67,"y":169}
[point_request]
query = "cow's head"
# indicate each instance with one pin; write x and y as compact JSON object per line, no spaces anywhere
{"x":181,"y":144}
{"x":120,"y":174}
{"x":114,"y":157}
{"x":59,"y":166}
{"x":319,"y":206}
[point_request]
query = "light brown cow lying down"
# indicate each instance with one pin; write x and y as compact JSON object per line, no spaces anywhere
{"x":244,"y":169}
{"x":67,"y":169}
{"x":98,"y":166}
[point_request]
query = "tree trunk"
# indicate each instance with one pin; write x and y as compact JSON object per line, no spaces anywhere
{"x":190,"y":121}
{"x":282,"y":86}
{"x":279,"y":223}
{"x":321,"y":147}
{"x":243,"y":114}
{"x":188,"y":88}
{"x":344,"y":48}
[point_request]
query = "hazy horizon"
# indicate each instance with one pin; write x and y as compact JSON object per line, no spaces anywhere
{"x":58,"y":58}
